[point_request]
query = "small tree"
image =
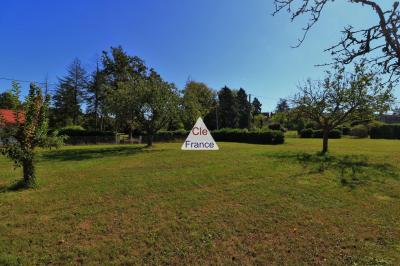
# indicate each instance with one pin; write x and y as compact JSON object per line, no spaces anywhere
{"x":29,"y":132}
{"x":342,"y":97}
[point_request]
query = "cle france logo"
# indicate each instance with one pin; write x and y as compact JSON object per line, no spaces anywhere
{"x":200,"y":138}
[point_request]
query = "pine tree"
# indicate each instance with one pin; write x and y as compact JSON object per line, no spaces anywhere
{"x":243,"y":108}
{"x":256,"y":107}
{"x":95,"y":98}
{"x":227,"y":113}
{"x":70,"y":94}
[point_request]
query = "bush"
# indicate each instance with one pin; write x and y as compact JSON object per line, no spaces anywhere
{"x":346,"y":130}
{"x":306,"y":133}
{"x":245,"y":136}
{"x":310,"y":133}
{"x":275,"y":126}
{"x":385,"y":132}
{"x":359,"y":131}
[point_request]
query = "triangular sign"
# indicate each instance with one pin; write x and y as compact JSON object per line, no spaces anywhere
{"x":199,"y":138}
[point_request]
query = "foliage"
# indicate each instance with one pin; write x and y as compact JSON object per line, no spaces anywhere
{"x":359,"y":131}
{"x":22,"y":139}
{"x":8,"y":100}
{"x":385,"y":132}
{"x":198,"y":100}
{"x":318,"y":133}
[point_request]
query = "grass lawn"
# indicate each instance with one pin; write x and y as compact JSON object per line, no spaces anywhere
{"x":244,"y":204}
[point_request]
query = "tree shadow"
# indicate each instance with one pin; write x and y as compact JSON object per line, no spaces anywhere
{"x":352,"y":170}
{"x":18,"y":185}
{"x":91,"y":153}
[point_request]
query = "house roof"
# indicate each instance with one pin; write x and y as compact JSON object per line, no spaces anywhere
{"x":8,"y":116}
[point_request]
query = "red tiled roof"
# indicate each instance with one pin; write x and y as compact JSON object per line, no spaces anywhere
{"x":8,"y":116}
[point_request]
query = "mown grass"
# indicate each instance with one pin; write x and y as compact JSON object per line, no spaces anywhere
{"x":244,"y":204}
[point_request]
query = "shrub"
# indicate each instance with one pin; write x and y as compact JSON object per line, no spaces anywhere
{"x":275,"y":126}
{"x":359,"y":131}
{"x":385,"y":132}
{"x":245,"y":136}
{"x":346,"y":130}
{"x":306,"y":133}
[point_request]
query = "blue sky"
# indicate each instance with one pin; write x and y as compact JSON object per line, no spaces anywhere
{"x":226,"y":42}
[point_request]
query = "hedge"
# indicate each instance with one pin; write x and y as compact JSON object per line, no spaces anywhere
{"x":78,"y":135}
{"x":163,"y":135}
{"x":245,"y":136}
{"x":77,"y":131}
{"x":385,"y":132}
{"x":311,"y":133}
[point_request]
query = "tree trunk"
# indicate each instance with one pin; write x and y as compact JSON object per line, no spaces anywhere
{"x":325,"y":141}
{"x":150,"y":140}
{"x":29,"y":172}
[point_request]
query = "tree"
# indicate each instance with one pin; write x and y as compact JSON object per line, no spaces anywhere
{"x":21,"y":140}
{"x":70,"y":94}
{"x":197,"y":101}
{"x":6,"y":100}
{"x":95,"y":98}
{"x":120,"y":69}
{"x":256,"y":107}
{"x":156,"y":104}
{"x":282,"y":106}
{"x":342,"y":97}
{"x":227,"y":111}
{"x":380,"y":41}
{"x":243,"y":108}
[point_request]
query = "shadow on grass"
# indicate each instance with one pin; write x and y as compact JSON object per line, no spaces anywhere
{"x":91,"y":153}
{"x":352,"y":170}
{"x":14,"y":187}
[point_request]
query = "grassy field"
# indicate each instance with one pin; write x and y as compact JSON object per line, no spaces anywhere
{"x":244,"y":204}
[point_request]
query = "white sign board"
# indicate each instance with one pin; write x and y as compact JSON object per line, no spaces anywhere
{"x":200,"y":138}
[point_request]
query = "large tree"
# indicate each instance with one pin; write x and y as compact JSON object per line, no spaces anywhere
{"x":70,"y":94}
{"x":197,"y":101}
{"x":156,"y":104}
{"x":120,"y":69}
{"x":227,"y":108}
{"x":380,"y":40}
{"x":342,"y":97}
{"x":30,"y":131}
{"x":96,"y":98}
{"x":243,"y":108}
